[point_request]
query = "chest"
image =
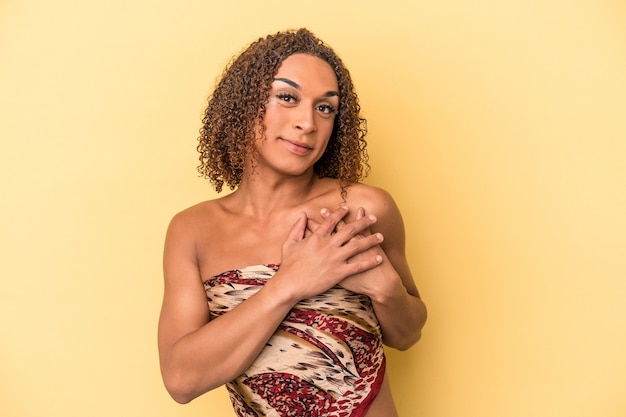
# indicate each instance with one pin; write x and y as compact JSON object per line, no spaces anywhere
{"x":231,"y":240}
{"x":235,"y":244}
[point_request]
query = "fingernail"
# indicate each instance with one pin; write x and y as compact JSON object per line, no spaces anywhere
{"x":372,"y":217}
{"x":324,"y":212}
{"x":379,"y":237}
{"x":379,"y":259}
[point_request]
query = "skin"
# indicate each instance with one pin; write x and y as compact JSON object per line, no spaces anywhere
{"x":283,"y":213}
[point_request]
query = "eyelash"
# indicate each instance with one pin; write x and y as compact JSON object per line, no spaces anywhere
{"x":285,"y":97}
{"x":326,"y":109}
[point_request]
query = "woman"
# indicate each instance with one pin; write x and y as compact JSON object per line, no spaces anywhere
{"x":321,"y":280}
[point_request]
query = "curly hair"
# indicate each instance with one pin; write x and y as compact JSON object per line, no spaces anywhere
{"x":237,"y":105}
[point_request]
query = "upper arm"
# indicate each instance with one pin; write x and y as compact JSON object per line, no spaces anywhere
{"x":184,"y":309}
{"x":389,"y":222}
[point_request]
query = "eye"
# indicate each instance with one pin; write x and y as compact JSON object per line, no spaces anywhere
{"x":287,"y":98}
{"x":327,"y":109}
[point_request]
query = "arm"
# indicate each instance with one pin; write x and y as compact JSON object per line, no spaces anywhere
{"x":396,"y":300}
{"x":399,"y":308}
{"x":198,"y":354}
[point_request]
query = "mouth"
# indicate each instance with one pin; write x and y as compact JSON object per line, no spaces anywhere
{"x":297,"y":147}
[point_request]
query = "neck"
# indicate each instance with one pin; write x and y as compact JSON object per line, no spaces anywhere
{"x":260,"y":196}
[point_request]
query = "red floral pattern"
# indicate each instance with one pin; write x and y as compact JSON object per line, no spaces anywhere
{"x":325,"y":359}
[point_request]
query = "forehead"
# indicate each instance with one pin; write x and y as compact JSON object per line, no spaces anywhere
{"x":308,"y":71}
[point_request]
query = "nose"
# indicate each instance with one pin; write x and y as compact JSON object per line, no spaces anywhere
{"x":304,"y":119}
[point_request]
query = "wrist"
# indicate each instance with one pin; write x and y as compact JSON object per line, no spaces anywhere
{"x":280,"y":294}
{"x":391,"y":290}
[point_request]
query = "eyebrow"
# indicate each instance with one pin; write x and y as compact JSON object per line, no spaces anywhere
{"x":297,"y":87}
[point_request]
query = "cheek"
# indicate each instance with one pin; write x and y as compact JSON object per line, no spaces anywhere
{"x":269,"y":122}
{"x":326,"y":130}
{"x":326,"y":141}
{"x":272,"y":120}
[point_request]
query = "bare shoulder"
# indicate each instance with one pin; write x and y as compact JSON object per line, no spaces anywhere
{"x":379,"y":202}
{"x":196,"y":212}
{"x":193,"y":221}
{"x":374,"y":200}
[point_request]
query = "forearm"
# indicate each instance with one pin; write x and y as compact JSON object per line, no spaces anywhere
{"x":400,"y":314}
{"x":224,"y":347}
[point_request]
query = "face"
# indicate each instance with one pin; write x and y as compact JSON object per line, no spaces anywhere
{"x":300,"y":114}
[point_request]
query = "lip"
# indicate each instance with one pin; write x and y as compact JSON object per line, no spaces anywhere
{"x":297,"y":147}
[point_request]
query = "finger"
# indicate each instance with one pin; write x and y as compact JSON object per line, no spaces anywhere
{"x":359,"y":215}
{"x":298,"y":230}
{"x":364,"y":243}
{"x":312,"y":224}
{"x":332,"y":219}
{"x":325,"y":213}
{"x":355,"y":228}
{"x":311,"y":227}
{"x":357,"y":267}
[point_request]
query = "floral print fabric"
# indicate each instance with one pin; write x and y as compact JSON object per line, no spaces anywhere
{"x":325,"y":359}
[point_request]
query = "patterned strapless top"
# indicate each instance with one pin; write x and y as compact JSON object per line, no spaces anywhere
{"x":325,"y":359}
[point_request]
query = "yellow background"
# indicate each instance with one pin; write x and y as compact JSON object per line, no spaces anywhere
{"x":499,"y":127}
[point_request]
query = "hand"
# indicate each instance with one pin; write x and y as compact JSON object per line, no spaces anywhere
{"x":364,"y":282}
{"x":315,"y":256}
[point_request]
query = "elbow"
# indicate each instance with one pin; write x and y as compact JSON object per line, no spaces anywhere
{"x":184,"y":383}
{"x":405,"y":339}
{"x":405,"y":343}
{"x":179,"y":389}
{"x":180,"y":397}
{"x":411,"y":342}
